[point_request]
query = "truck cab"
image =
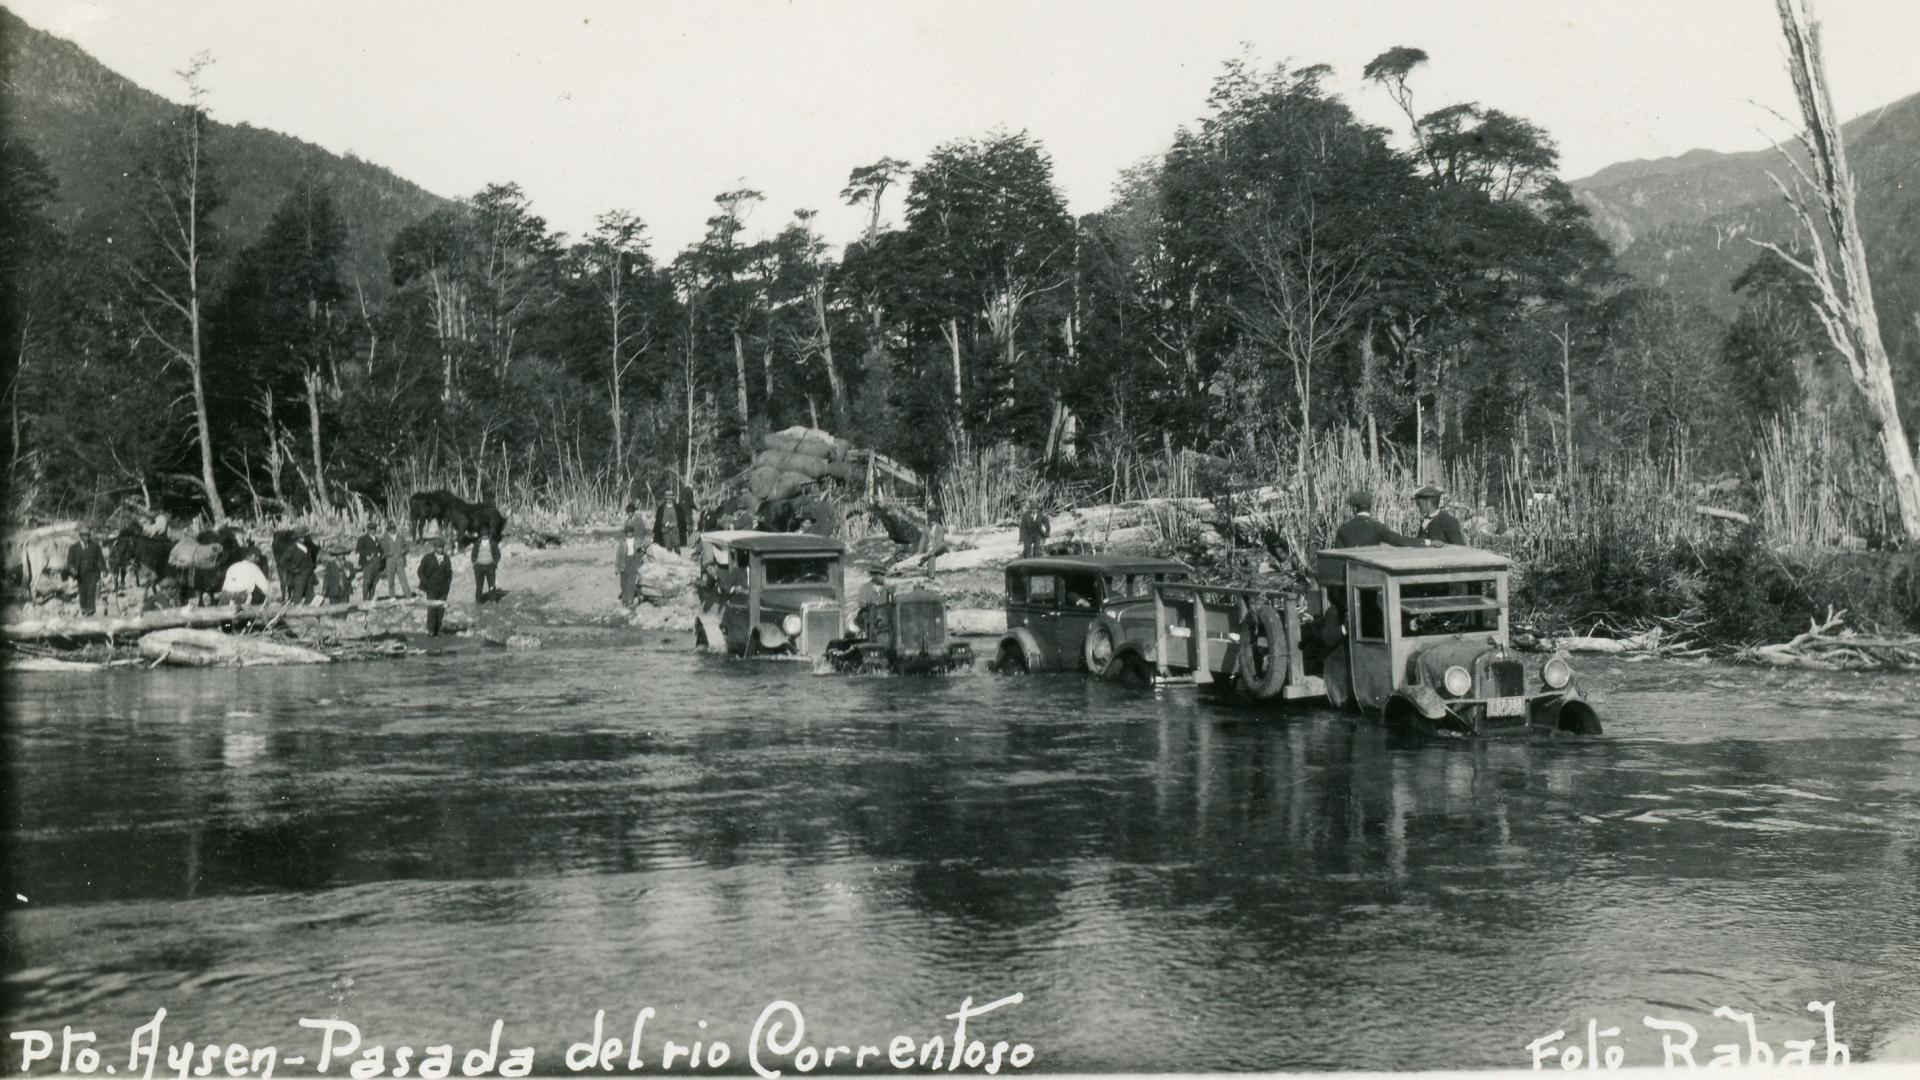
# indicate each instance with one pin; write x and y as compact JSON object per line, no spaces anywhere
{"x":1420,"y":637}
{"x":767,"y":593}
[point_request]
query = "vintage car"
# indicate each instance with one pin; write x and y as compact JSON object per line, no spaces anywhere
{"x":769,"y":593}
{"x":1210,"y":635}
{"x":1419,"y":636}
{"x":905,"y":633}
{"x":1053,"y":599}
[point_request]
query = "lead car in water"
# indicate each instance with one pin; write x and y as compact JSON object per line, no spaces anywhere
{"x":1419,"y":635}
{"x":770,"y":594}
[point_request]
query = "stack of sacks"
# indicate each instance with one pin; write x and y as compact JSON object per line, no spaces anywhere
{"x":792,"y":460}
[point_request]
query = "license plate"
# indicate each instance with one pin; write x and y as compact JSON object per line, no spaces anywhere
{"x":1507,"y":706}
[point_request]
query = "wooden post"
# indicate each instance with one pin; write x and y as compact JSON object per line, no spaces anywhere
{"x":1160,"y":644}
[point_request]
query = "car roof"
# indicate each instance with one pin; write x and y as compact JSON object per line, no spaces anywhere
{"x":1105,"y":564}
{"x":772,"y":542}
{"x":1412,"y":560}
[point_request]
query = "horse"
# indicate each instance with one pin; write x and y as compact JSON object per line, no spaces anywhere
{"x":435,"y":506}
{"x":132,"y":549}
{"x":204,"y":581}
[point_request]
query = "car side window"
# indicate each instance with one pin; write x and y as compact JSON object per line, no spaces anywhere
{"x":1082,"y":592}
{"x":1373,"y":614}
{"x":1016,"y":588}
{"x":1043,"y":589}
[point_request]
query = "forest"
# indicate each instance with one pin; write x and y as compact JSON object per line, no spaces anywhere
{"x":1287,"y":296}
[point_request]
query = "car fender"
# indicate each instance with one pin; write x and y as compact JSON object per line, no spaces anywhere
{"x":710,"y":626}
{"x":772,"y":637}
{"x":1571,"y":712}
{"x":1028,"y":645}
{"x":1424,"y":699}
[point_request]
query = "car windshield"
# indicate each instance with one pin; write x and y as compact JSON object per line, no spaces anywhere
{"x":814,"y":570}
{"x":1436,"y":608}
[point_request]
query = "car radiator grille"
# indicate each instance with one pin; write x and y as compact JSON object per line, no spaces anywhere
{"x":1507,"y":678}
{"x":821,"y":627}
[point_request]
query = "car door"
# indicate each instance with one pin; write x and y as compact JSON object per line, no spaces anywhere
{"x":1038,"y":611}
{"x":736,"y":581}
{"x":1080,"y":595}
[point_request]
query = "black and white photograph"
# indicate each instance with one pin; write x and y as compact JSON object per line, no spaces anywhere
{"x":779,"y":537}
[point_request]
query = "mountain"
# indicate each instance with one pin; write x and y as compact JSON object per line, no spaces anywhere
{"x":86,"y":121}
{"x":1688,"y":223}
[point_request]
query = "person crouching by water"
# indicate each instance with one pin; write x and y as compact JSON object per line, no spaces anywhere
{"x":1361,"y":530}
{"x":246,"y":582}
{"x":372,"y":561}
{"x":436,"y":578}
{"x":486,"y":561}
{"x":1436,"y":524}
{"x":628,"y":558}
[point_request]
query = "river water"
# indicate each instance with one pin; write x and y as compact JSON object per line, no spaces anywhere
{"x":423,"y":847}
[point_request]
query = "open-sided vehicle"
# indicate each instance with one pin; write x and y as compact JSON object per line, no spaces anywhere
{"x":1420,"y":636}
{"x":1052,"y":600}
{"x":770,"y":593}
{"x":905,"y":633}
{"x":1209,"y":635}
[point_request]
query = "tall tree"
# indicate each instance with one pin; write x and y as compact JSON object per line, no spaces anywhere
{"x":1844,"y":301}
{"x":172,"y":269}
{"x":614,"y":260}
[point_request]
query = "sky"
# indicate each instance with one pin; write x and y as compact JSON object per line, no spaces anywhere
{"x":653,"y":107}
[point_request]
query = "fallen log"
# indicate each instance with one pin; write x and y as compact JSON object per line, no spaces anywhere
{"x":61,"y":626}
{"x":1725,"y":515}
{"x":209,"y":648}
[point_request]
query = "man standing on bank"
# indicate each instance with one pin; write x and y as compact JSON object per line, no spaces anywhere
{"x":628,"y":558}
{"x":1361,"y":530}
{"x":1436,"y":524}
{"x":372,"y":561}
{"x":394,"y":551}
{"x":486,"y":563}
{"x":86,"y":562}
{"x":436,"y":578}
{"x":1034,"y":530}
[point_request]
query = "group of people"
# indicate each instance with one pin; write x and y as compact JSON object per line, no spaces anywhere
{"x":1437,"y":527}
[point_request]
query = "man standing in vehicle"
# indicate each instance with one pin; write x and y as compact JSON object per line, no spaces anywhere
{"x":1436,"y":524}
{"x":1361,"y":530}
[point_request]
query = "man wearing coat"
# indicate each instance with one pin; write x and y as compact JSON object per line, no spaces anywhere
{"x":1034,"y":530}
{"x":1361,"y":530}
{"x":86,"y":562}
{"x":372,"y":561}
{"x":1436,"y":524}
{"x":393,"y":551}
{"x":436,"y":578}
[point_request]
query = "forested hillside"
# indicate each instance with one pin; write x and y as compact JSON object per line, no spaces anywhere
{"x":89,"y":124}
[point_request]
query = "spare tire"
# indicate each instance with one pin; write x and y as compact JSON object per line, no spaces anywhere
{"x":1262,"y":671}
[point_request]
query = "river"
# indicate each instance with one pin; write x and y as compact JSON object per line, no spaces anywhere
{"x":425,"y":846}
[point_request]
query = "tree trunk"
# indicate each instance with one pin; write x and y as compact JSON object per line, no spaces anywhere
{"x":315,"y":384}
{"x":740,"y":389}
{"x":1846,"y":307}
{"x":959,"y":397}
{"x":840,"y":418}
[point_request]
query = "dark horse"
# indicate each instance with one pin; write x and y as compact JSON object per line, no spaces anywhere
{"x":455,"y":515}
{"x":204,"y":583}
{"x":132,"y":549}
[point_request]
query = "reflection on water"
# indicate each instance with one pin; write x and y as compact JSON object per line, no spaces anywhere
{"x":425,"y":847}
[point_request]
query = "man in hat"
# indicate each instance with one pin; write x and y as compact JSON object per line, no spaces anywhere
{"x":1436,"y":524}
{"x":86,"y":562}
{"x":372,"y":560}
{"x":628,"y":560}
{"x":1361,"y":530}
{"x":1034,"y":530}
{"x":436,"y":578}
{"x":336,"y":579}
{"x":873,"y":596}
{"x":393,"y":552}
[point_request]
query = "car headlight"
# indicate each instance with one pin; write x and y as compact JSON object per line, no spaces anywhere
{"x":1557,"y":674}
{"x":1457,"y":681}
{"x":790,"y":625}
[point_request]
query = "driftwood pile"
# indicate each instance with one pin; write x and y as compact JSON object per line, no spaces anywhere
{"x":1828,"y":645}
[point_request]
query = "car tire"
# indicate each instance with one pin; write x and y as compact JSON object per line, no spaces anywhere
{"x":1101,"y":646}
{"x":1011,"y":661}
{"x":1261,"y":673}
{"x":1131,"y":669}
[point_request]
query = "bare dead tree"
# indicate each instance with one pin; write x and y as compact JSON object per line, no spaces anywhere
{"x":1843,"y":301}
{"x":1309,"y":295}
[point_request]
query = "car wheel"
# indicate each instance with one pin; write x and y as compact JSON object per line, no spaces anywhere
{"x":1098,"y":652}
{"x":1131,"y":670}
{"x":1012,"y":660}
